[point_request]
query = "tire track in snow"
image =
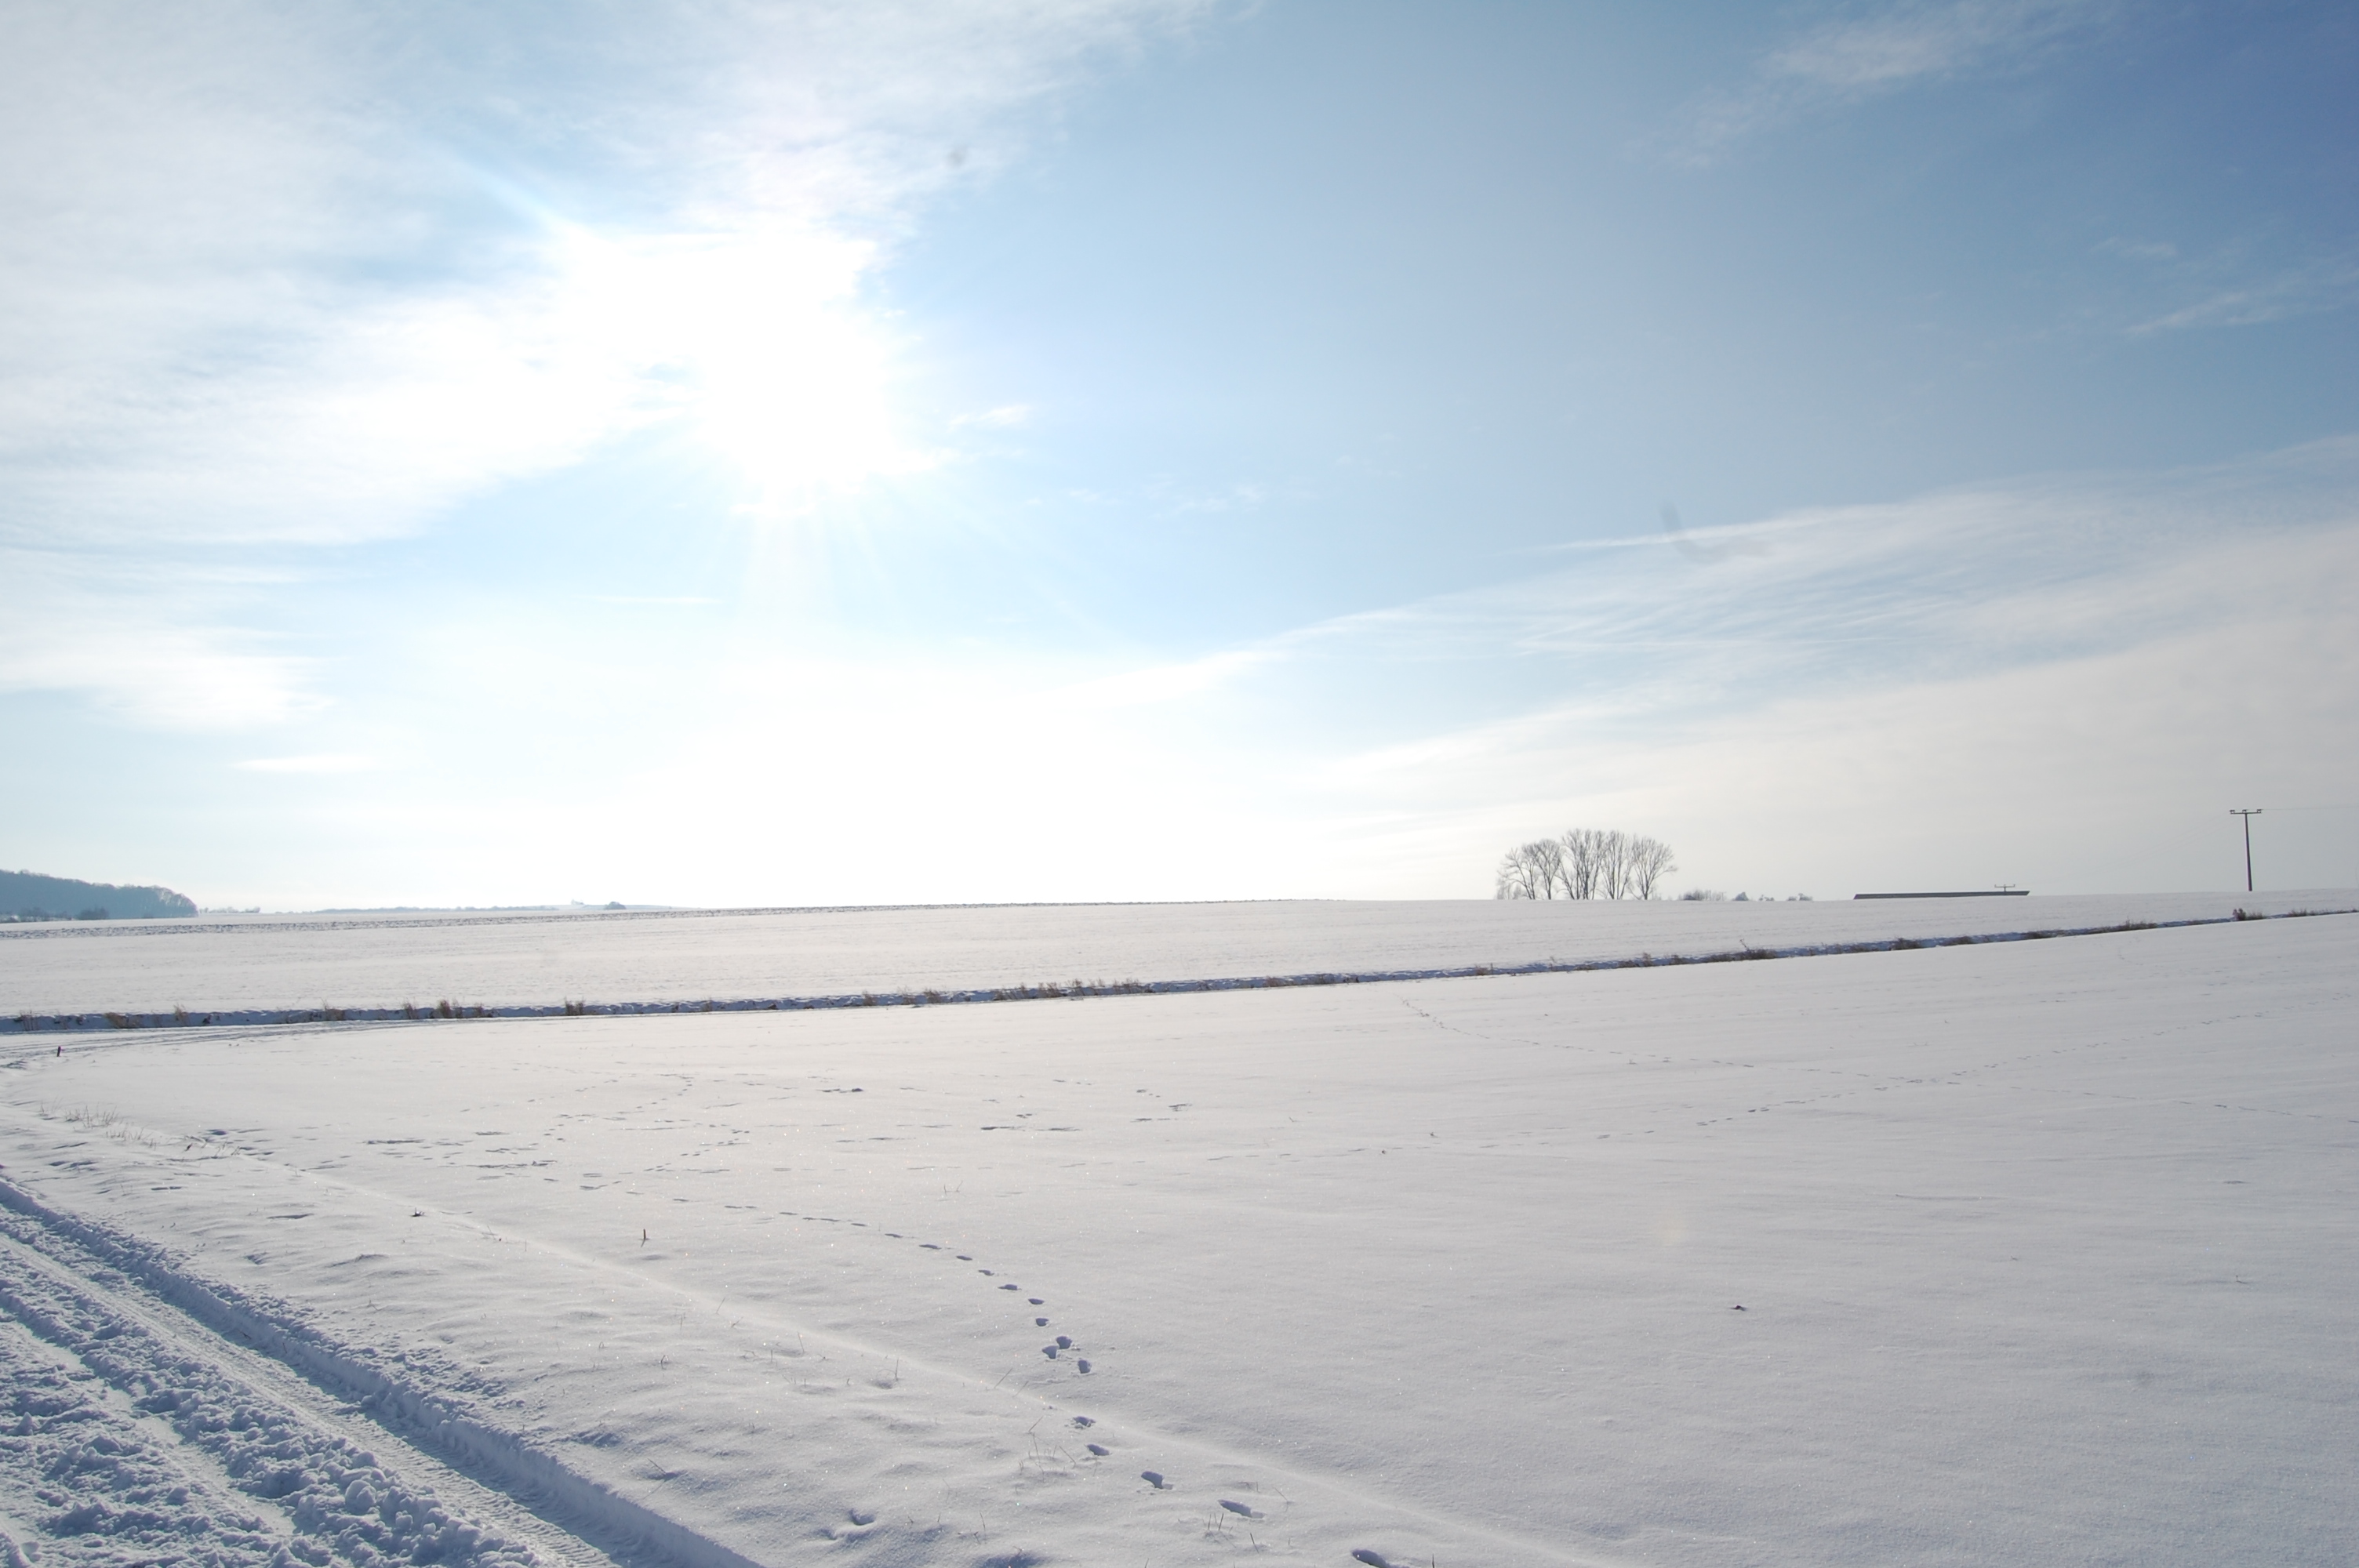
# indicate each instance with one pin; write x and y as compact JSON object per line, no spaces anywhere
{"x":142,"y":1439}
{"x":153,"y":1332}
{"x":1325,"y":1509}
{"x":86,"y":1478}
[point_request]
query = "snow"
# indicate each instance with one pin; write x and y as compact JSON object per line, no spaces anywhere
{"x":544,"y":959}
{"x":132,"y":1441}
{"x":2040,"y":1247}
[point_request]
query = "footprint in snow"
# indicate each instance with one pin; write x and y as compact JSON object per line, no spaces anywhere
{"x":1239,"y":1508}
{"x":1081,"y":1364}
{"x":1011,"y":1287}
{"x":1064,"y":1342}
{"x":1155,"y":1479}
{"x":1036,"y":1301}
{"x":1039,"y":1323}
{"x":1050,"y":1351}
{"x":1100,"y":1449}
{"x":1373,"y":1559}
{"x":1084,"y":1421}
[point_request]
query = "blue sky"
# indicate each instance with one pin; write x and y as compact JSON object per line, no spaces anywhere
{"x":1135,"y":448}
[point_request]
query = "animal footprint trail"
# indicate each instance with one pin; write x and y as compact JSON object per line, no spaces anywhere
{"x":1080,"y":1365}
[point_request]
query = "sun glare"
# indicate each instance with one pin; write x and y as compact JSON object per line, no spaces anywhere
{"x":758,"y":343}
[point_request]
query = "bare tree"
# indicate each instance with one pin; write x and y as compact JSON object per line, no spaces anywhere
{"x":1546,"y":857}
{"x":1531,"y":870}
{"x":1650,"y":861}
{"x":1580,"y":852}
{"x":1612,"y":864}
{"x":1515,"y":877}
{"x":1586,"y":862}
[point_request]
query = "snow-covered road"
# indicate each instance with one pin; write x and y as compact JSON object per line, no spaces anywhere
{"x":2021,"y":1253}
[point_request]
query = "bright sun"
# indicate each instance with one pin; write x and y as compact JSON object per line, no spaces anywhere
{"x":758,"y":342}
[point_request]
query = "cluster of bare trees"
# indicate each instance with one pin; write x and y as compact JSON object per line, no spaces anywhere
{"x":1587,"y":862}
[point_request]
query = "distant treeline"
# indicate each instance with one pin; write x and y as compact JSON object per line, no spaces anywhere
{"x":25,"y":895}
{"x":1587,"y":862}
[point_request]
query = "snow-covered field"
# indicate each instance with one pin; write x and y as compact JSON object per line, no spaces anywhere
{"x":271,"y":962}
{"x":2030,"y":1252}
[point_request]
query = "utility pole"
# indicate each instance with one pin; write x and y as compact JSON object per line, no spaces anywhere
{"x":2248,"y":816}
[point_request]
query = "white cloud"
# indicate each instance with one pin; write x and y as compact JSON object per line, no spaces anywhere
{"x":1241,"y":496}
{"x":2061,"y":682}
{"x":2045,"y":682}
{"x":1914,"y":42}
{"x":2100,"y":772}
{"x":1164,"y":683}
{"x":149,"y":641}
{"x":1855,"y":58}
{"x":323,"y":762}
{"x":1006,"y":417}
{"x":2051,"y":680}
{"x":2320,"y":285}
{"x":1974,"y":577}
{"x":292,"y":278}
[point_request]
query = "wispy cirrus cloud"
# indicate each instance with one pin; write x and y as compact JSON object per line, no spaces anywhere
{"x":160,"y":641}
{"x":278,"y":279}
{"x":2115,"y":648}
{"x":1859,"y":58}
{"x":1650,"y":637}
{"x":2313,"y":288}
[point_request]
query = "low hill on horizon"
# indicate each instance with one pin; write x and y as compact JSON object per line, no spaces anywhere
{"x":29,"y":895}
